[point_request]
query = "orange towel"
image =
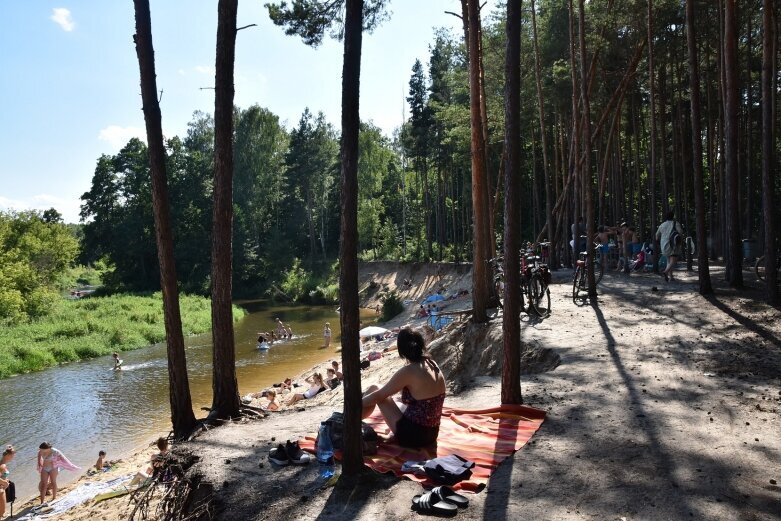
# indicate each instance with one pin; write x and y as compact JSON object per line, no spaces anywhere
{"x":485,"y":436}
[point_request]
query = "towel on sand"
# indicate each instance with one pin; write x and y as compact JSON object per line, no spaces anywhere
{"x":485,"y":436}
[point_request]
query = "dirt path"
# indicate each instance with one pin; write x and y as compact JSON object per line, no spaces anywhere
{"x":665,"y":405}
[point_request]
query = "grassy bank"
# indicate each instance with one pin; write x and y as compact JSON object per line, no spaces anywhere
{"x":96,"y":326}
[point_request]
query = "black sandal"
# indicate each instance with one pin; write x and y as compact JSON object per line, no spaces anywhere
{"x":451,"y":496}
{"x":432,"y":503}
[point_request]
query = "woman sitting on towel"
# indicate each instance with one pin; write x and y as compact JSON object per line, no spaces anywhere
{"x":422,"y":386}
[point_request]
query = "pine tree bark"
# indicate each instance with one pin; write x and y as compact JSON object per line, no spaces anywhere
{"x":225,"y":401}
{"x":546,"y":167}
{"x":703,"y":271}
{"x":480,"y":279}
{"x":587,"y":174}
{"x":511,"y":320}
{"x":652,"y":137}
{"x":182,"y":417}
{"x":352,"y":462}
{"x":575,"y":145}
{"x":734,"y":253}
{"x":768,"y":150}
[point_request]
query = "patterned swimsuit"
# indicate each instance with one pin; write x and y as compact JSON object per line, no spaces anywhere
{"x":419,"y":424}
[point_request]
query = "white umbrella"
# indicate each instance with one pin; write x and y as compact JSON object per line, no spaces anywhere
{"x":372,"y":331}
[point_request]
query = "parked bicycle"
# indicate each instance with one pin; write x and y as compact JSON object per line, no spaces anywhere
{"x":580,"y":278}
{"x":760,"y":267}
{"x":535,"y":279}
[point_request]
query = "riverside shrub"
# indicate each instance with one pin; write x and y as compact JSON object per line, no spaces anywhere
{"x":391,"y":305}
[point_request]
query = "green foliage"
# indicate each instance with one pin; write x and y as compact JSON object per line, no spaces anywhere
{"x":34,"y":253}
{"x":95,"y":326}
{"x":312,"y":19}
{"x":392,"y":305}
{"x":296,"y":280}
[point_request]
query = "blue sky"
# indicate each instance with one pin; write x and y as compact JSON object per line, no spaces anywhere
{"x":70,"y":87}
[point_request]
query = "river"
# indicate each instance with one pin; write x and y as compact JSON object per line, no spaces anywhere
{"x":84,"y":407}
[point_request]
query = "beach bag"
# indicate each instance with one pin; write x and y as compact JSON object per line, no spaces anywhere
{"x":10,"y":492}
{"x":335,"y":425}
{"x":676,"y":239}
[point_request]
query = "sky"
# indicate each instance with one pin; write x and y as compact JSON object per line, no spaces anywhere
{"x":71,"y":87}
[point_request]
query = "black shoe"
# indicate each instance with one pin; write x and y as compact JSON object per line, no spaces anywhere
{"x":296,"y":455}
{"x":666,"y":278}
{"x":279,"y":456}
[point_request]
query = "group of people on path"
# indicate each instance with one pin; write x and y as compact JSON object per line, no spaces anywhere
{"x":632,"y":251}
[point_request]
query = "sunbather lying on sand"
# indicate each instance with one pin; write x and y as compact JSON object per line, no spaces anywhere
{"x":316,"y":386}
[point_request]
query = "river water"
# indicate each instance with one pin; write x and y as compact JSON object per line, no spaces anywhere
{"x":84,"y":407}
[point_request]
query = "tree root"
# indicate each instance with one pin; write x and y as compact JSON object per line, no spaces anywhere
{"x":173,"y":489}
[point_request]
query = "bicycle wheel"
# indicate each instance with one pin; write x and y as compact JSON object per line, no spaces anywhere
{"x":759,"y":268}
{"x":539,"y":296}
{"x":577,"y":282}
{"x":599,"y":271}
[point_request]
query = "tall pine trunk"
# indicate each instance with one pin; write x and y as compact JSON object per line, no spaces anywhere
{"x":652,"y":137}
{"x":511,"y":320}
{"x":480,"y":275}
{"x":734,"y":253}
{"x":182,"y":416}
{"x":546,"y":167}
{"x":703,"y":271}
{"x":352,"y":461}
{"x":575,"y":144}
{"x":225,"y":401}
{"x":587,"y":175}
{"x":768,"y":150}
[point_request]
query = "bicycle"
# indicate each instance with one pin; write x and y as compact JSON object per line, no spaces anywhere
{"x":580,"y":279}
{"x":760,"y":267}
{"x":535,"y":279}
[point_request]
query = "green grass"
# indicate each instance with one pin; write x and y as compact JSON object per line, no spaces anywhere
{"x":95,"y":326}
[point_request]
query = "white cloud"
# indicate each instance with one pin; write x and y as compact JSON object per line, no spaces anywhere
{"x":62,"y":17}
{"x":118,"y":137}
{"x":204,"y":69}
{"x":69,"y":208}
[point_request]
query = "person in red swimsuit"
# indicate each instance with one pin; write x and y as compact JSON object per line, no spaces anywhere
{"x":422,"y":386}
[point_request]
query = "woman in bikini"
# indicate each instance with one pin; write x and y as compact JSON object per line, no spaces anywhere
{"x":422,"y":387}
{"x":316,"y":386}
{"x":50,"y":461}
{"x":8,"y":455}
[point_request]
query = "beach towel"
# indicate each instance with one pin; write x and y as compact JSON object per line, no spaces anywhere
{"x":75,"y":497}
{"x":485,"y":436}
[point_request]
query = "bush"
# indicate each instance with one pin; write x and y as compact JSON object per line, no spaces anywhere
{"x":392,"y":305}
{"x":296,"y":280}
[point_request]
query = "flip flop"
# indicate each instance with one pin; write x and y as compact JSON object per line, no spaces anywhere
{"x":431,"y":503}
{"x":451,"y":496}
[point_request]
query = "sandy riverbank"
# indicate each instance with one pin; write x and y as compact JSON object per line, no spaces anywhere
{"x":663,"y":405}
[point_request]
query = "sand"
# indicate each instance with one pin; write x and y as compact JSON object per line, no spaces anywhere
{"x":663,"y":405}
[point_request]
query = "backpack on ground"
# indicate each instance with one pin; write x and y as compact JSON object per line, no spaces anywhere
{"x":336,"y":431}
{"x":676,"y":239}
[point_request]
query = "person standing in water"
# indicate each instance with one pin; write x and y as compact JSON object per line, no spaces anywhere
{"x":117,"y":362}
{"x":327,"y":334}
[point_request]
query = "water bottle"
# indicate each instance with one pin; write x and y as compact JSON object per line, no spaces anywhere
{"x":325,"y":452}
